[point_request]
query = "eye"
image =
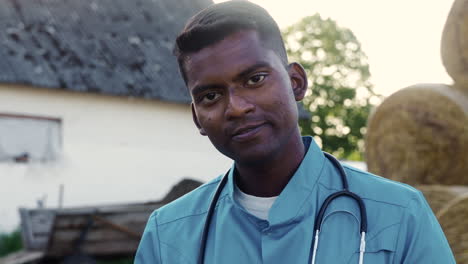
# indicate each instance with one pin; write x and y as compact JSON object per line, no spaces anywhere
{"x":256,"y":79}
{"x":209,"y":97}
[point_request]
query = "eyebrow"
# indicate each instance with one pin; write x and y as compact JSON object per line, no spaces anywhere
{"x":201,"y":88}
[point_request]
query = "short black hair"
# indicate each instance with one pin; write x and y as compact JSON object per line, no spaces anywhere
{"x":218,"y":21}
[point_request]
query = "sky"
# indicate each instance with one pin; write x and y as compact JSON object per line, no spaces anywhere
{"x":400,"y":37}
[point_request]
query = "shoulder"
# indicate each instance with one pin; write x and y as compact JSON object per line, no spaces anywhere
{"x":193,"y":203}
{"x":376,"y":188}
{"x":173,"y":231}
{"x":401,"y":219}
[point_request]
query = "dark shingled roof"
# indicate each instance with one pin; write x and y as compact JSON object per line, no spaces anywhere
{"x":119,"y":47}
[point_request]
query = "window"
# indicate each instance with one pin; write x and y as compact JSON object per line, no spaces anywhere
{"x":25,"y":138}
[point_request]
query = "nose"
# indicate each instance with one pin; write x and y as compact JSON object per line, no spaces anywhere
{"x":238,"y":105}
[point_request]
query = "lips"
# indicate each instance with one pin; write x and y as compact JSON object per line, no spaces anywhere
{"x":247,"y":132}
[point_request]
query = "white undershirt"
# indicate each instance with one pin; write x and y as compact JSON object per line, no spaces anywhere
{"x":257,"y":206}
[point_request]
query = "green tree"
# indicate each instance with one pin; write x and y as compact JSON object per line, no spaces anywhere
{"x":339,"y":94}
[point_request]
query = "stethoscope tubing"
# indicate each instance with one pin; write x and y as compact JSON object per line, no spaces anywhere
{"x":318,"y":221}
{"x":209,"y":216}
{"x":333,"y":196}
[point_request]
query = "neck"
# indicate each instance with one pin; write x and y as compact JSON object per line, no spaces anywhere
{"x":268,"y":179}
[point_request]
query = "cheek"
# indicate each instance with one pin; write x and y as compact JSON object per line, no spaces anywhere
{"x":208,"y":122}
{"x":283,"y":110}
{"x":284,"y":107}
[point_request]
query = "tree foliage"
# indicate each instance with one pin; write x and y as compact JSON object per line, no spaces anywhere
{"x":339,"y":94}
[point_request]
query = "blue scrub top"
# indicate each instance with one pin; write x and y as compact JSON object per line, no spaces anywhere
{"x":401,"y":225}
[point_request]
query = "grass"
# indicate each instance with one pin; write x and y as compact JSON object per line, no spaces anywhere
{"x":10,"y":243}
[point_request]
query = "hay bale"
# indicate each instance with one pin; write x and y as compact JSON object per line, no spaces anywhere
{"x":419,"y":135}
{"x":453,"y":219}
{"x":437,"y":195}
{"x":454,"y":44}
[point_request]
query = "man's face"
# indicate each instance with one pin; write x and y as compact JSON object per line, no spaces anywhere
{"x":244,"y":99}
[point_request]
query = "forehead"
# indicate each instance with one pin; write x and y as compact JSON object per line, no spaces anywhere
{"x":228,"y":57}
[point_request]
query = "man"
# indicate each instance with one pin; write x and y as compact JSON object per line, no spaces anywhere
{"x":232,"y":58}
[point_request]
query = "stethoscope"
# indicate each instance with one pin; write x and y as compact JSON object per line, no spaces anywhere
{"x":318,"y":219}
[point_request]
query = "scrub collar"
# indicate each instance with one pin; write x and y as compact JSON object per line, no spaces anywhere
{"x":290,"y":203}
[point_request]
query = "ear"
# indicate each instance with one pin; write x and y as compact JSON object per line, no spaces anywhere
{"x":195,"y":120}
{"x":298,"y":78}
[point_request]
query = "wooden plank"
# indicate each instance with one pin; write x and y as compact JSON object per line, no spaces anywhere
{"x":98,"y":248}
{"x":36,"y":224}
{"x":121,"y":228}
{"x":111,"y":248}
{"x":111,"y":228}
{"x":104,"y":234}
{"x":22,"y":257}
{"x":116,"y":230}
{"x":79,"y":221}
{"x":118,"y":208}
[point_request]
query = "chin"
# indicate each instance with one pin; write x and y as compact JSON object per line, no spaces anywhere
{"x":255,"y":156}
{"x":257,"y":151}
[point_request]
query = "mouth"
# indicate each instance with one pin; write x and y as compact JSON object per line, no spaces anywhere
{"x":247,"y":132}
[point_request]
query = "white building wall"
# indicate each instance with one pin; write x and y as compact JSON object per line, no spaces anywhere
{"x":115,"y":149}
